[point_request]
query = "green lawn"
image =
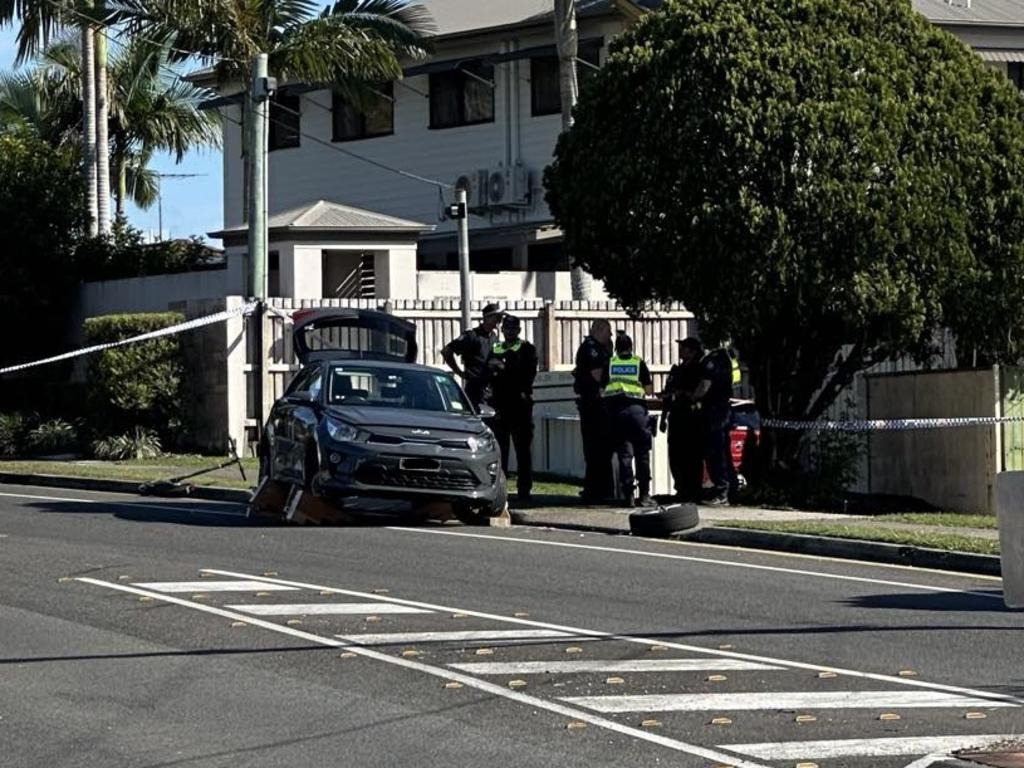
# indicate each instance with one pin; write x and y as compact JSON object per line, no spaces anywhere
{"x":944,"y":519}
{"x":549,"y":487}
{"x":867,"y":532}
{"x":144,"y":470}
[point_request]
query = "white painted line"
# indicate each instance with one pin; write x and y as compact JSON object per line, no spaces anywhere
{"x":715,"y":561}
{"x":933,"y":746}
{"x":776,"y":701}
{"x":137,"y":505}
{"x":324,"y":609}
{"x":470,"y":636}
{"x":628,"y":665}
{"x":596,"y":635}
{"x":446,"y":674}
{"x":212,"y":586}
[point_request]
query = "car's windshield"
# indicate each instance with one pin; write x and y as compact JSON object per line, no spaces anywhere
{"x":386,"y":387}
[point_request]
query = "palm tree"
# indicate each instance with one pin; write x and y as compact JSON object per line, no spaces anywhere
{"x":151,"y":109}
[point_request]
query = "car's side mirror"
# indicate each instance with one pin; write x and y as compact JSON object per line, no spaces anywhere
{"x":486,"y":412}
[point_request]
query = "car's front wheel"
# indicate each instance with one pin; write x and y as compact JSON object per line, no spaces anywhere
{"x":480,"y":514}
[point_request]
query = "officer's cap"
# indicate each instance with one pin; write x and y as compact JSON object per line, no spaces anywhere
{"x":511,"y":322}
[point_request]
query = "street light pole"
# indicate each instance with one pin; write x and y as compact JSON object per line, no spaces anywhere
{"x":259,"y":93}
{"x":465,"y":281}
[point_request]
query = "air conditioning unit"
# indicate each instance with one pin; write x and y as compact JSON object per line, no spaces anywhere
{"x":508,"y":186}
{"x":475,"y":184}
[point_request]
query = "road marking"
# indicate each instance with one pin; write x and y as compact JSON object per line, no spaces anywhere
{"x":597,"y":635}
{"x":166,"y":507}
{"x":709,"y":561}
{"x":482,"y":636}
{"x":325,"y":609}
{"x":628,"y":665}
{"x":212,"y":586}
{"x":777,"y":700}
{"x":933,"y":746}
{"x":446,"y":674}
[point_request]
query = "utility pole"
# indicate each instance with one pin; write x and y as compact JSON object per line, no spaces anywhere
{"x":460,"y":211}
{"x":259,"y":94}
{"x":256,"y":102}
{"x":567,"y":44}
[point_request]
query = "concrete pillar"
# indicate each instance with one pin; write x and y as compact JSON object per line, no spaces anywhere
{"x":235,"y":362}
{"x":301,"y":270}
{"x":1010,"y":505}
{"x":395,"y":272}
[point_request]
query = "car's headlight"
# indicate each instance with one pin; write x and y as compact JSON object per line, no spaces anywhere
{"x":483,"y":442}
{"x":340,"y":431}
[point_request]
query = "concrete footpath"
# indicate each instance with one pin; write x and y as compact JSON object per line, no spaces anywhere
{"x":566,"y":512}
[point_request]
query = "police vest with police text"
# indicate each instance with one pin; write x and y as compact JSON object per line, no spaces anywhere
{"x":500,"y":348}
{"x":624,"y":377}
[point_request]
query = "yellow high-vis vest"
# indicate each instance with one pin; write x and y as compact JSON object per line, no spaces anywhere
{"x":624,"y":377}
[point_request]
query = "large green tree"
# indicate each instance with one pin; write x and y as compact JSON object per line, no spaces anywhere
{"x":827,"y":183}
{"x":43,"y":222}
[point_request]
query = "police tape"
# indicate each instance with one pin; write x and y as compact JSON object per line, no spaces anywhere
{"x":170,"y":330}
{"x":889,"y":425}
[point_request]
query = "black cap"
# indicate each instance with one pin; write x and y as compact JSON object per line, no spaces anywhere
{"x":492,"y":309}
{"x":511,"y":321}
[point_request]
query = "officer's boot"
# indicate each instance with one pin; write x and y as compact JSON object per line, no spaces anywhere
{"x":645,"y":499}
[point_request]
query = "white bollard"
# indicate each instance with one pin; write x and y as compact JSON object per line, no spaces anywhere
{"x":1010,"y":504}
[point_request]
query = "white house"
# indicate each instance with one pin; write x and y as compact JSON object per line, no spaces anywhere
{"x":353,"y":210}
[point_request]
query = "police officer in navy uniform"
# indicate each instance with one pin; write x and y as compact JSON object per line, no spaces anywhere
{"x":474,"y":347}
{"x":682,"y":418}
{"x":513,"y":367}
{"x":629,"y":382}
{"x":590,"y":374}
{"x":719,"y":372}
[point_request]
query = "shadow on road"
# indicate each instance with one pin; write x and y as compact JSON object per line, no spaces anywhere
{"x":989,"y":601}
{"x":162,"y":654}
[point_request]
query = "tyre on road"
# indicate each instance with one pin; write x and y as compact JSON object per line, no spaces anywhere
{"x":471,"y":515}
{"x":663,"y":521}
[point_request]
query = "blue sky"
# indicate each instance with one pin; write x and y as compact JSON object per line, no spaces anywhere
{"x":192,"y":206}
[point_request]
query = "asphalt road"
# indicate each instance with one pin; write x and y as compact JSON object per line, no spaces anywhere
{"x":144,"y":633}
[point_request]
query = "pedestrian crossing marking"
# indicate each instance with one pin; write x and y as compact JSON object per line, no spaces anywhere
{"x":171,"y":587}
{"x":461,"y":636}
{"x":776,"y":701}
{"x":323,"y":609}
{"x":890,"y":747}
{"x":597,"y":665}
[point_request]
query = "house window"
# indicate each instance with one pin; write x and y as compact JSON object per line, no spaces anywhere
{"x":464,"y":96}
{"x":547,"y":257}
{"x":377,"y":118}
{"x":285,"y":121}
{"x":545,"y":82}
{"x":1015,"y":69}
{"x":480,"y":260}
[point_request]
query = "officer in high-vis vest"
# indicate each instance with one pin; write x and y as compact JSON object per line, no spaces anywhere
{"x":513,"y":367}
{"x":629,"y":382}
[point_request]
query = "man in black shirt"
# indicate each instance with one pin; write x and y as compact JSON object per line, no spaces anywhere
{"x":513,"y":367}
{"x":685,"y":428}
{"x":589,"y":378}
{"x":474,"y":347}
{"x":713,"y":392}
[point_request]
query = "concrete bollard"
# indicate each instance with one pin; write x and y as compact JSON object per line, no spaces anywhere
{"x":1010,"y":504}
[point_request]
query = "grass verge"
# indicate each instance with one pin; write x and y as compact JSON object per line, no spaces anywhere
{"x":943,"y":519}
{"x":145,"y":470}
{"x":948,"y":541}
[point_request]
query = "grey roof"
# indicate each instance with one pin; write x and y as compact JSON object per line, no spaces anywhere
{"x":1003,"y":12}
{"x":455,"y":17}
{"x":325,"y":215}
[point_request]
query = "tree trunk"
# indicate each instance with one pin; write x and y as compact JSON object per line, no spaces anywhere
{"x":89,"y":126}
{"x":102,"y":142}
{"x":567,"y":43}
{"x":121,"y":174}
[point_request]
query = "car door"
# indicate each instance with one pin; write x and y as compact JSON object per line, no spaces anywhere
{"x":281,"y":428}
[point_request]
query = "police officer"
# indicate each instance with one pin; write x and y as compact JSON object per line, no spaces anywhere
{"x":685,"y":433}
{"x":719,"y":373}
{"x":513,"y":367}
{"x":589,"y":377}
{"x":474,"y":347}
{"x":629,"y":381}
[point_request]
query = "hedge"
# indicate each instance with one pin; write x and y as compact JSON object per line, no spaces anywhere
{"x":135,"y":385}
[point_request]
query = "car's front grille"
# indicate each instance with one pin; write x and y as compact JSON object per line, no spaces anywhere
{"x":391,"y":473}
{"x":455,"y":443}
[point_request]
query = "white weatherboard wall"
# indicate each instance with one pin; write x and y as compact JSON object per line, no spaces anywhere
{"x":313,"y":171}
{"x":500,"y":286}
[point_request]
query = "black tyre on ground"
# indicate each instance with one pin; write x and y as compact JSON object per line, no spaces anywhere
{"x":663,"y":521}
{"x":479,"y":515}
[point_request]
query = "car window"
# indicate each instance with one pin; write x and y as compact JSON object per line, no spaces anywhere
{"x":302,"y":379}
{"x":389,"y":387}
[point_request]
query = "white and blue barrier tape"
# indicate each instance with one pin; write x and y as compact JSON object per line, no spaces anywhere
{"x":170,"y":330}
{"x":889,"y":425}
